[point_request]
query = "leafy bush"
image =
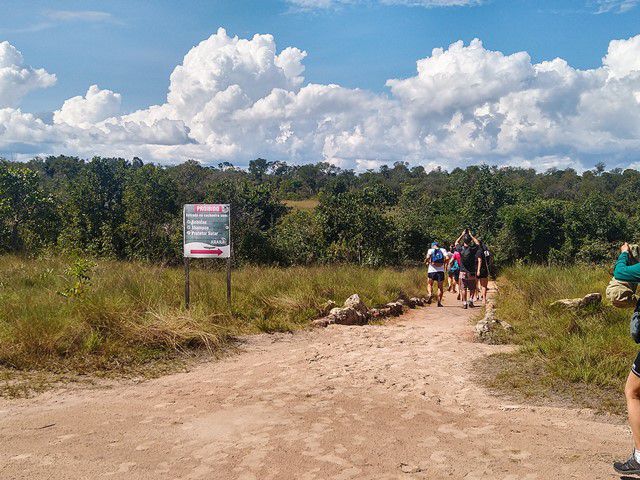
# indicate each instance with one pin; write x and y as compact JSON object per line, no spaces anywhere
{"x":298,"y":239}
{"x":596,"y":251}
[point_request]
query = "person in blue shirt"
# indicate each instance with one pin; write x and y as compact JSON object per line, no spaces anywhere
{"x":630,"y":273}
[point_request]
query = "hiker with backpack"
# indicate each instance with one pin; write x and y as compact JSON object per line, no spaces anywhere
{"x":627,"y":271}
{"x":483,"y":269}
{"x":436,"y":262}
{"x":468,"y":267}
{"x":453,"y":270}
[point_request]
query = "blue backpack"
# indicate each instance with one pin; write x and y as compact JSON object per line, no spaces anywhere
{"x":437,"y":256}
{"x":454,"y":266}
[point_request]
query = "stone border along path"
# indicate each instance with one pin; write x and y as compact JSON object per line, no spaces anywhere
{"x":343,"y":402}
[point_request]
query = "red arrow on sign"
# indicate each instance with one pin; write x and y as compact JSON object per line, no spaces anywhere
{"x":217,"y":251}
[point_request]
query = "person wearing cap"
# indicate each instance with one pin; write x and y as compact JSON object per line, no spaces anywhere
{"x":436,"y":262}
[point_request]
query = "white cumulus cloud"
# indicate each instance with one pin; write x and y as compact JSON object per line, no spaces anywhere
{"x":236,"y":99}
{"x":622,"y":58}
{"x":95,"y":106}
{"x":17,"y":80}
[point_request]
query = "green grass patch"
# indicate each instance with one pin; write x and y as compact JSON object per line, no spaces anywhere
{"x":78,"y":317}
{"x":583,"y":357}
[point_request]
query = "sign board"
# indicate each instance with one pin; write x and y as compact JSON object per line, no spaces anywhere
{"x":206,"y":231}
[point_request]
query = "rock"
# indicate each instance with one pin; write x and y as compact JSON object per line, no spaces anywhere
{"x":355,"y":312}
{"x":489,"y":324}
{"x":577,"y":303}
{"x":418,"y":302}
{"x":358,"y":305}
{"x":348,"y":316}
{"x":322,"y":322}
{"x":409,"y":468}
{"x":410,"y":303}
{"x":395,"y":308}
{"x":327,"y":306}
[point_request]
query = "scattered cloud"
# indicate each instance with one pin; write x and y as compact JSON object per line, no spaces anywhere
{"x":327,"y":4}
{"x":433,"y":3}
{"x":79,"y":15}
{"x":54,"y":18}
{"x":236,"y":99}
{"x":616,"y":6}
{"x":312,"y":4}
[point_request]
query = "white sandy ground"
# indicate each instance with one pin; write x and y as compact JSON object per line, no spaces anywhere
{"x":373,"y":402}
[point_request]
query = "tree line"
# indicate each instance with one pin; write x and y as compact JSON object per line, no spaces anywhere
{"x":126,"y":209}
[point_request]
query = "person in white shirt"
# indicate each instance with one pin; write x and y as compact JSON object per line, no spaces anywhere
{"x":436,"y":263}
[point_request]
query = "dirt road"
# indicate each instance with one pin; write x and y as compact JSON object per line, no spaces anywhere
{"x":374,"y":402}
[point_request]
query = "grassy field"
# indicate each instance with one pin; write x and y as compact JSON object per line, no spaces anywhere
{"x":61,"y":315}
{"x":583,"y":357}
{"x":307,"y":204}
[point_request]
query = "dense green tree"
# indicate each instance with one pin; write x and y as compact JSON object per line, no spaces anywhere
{"x":298,"y":239}
{"x":258,"y":168}
{"x":151,"y":227}
{"x":532,"y":231}
{"x":27,"y":214}
{"x":94,"y":212}
{"x":355,"y":227}
{"x":254,"y":210}
{"x":120,"y":208}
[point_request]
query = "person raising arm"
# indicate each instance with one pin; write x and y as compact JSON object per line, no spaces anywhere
{"x":631,"y":273}
{"x":459,"y":239}
{"x":623,"y":271}
{"x":475,"y":240}
{"x":468,"y":268}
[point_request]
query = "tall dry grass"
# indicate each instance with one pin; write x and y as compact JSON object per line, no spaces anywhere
{"x":130,"y":313}
{"x":584,"y":356}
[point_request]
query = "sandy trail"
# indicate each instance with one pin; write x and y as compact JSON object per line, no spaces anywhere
{"x":374,"y":402}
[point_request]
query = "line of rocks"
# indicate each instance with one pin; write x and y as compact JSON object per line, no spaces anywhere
{"x":355,"y":312}
{"x":487,"y":326}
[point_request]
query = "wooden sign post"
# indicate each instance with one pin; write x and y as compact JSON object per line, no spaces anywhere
{"x":206,"y":234}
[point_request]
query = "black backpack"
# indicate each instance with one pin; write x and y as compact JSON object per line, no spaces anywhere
{"x":487,"y":258}
{"x":468,"y":256}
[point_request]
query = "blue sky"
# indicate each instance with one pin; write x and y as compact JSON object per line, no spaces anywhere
{"x":365,"y":82}
{"x":135,"y":48}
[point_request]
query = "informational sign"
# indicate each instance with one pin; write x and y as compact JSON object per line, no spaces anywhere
{"x":207,"y":231}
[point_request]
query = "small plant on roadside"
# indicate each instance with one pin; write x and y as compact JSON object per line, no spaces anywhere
{"x":80,"y":273}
